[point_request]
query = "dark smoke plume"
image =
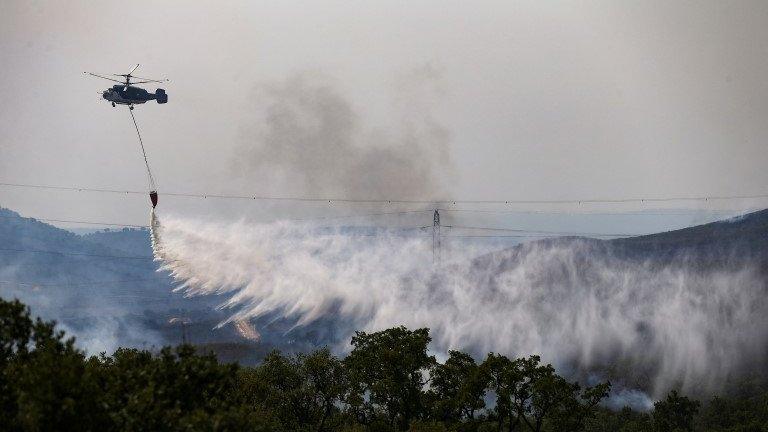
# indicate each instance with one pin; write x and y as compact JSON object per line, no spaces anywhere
{"x":310,"y":140}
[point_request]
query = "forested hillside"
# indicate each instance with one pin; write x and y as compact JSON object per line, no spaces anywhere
{"x":388,"y":382}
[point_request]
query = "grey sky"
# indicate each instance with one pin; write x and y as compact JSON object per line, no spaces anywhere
{"x":538,"y":100}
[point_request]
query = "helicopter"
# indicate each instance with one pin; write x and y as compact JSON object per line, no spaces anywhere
{"x":126,"y":93}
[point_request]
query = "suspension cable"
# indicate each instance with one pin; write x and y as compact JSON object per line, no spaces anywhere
{"x":152,"y":186}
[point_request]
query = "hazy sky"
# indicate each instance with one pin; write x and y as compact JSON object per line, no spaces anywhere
{"x":498,"y":100}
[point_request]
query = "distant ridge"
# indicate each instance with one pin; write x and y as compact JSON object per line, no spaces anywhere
{"x":716,"y":244}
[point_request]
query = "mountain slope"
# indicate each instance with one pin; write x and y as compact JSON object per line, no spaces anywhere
{"x":104,"y":287}
{"x":687,"y":307}
{"x":743,"y":238}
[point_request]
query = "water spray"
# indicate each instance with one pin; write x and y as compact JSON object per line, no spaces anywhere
{"x":569,"y":302}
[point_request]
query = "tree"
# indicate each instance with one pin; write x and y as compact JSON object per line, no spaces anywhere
{"x":576,"y":406}
{"x":458,"y":386}
{"x":675,"y":413}
{"x":302,"y":391}
{"x":505,"y":378}
{"x":327,"y":383}
{"x":625,"y":420}
{"x":177,"y":389}
{"x":45,"y":385}
{"x":549,"y":394}
{"x":534,"y":395}
{"x":386,"y":371}
{"x":15,"y":334}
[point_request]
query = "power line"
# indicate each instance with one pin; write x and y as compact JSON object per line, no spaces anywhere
{"x":80,"y":283}
{"x":342,"y":217}
{"x":559,"y":233}
{"x":76,"y":254}
{"x":75,"y":221}
{"x":365,"y":215}
{"x":532,"y":236}
{"x":570,"y":213}
{"x":530,"y":233}
{"x":353,"y":216}
{"x":73,"y":189}
{"x":331,"y":200}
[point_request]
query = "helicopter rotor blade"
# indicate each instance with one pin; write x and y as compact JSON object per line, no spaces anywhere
{"x":151,"y":79}
{"x":103,"y":77}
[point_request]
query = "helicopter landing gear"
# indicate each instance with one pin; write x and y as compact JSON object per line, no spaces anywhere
{"x":113,"y":104}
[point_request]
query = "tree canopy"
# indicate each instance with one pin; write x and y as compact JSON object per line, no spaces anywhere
{"x":388,"y":382}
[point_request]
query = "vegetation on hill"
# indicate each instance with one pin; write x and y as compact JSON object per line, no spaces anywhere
{"x":388,"y":382}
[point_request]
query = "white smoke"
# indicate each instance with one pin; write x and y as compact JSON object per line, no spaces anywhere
{"x":623,"y":397}
{"x":684,"y":327}
{"x":105,"y":334}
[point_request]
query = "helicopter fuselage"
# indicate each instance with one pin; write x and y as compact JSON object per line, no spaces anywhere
{"x":130,"y":95}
